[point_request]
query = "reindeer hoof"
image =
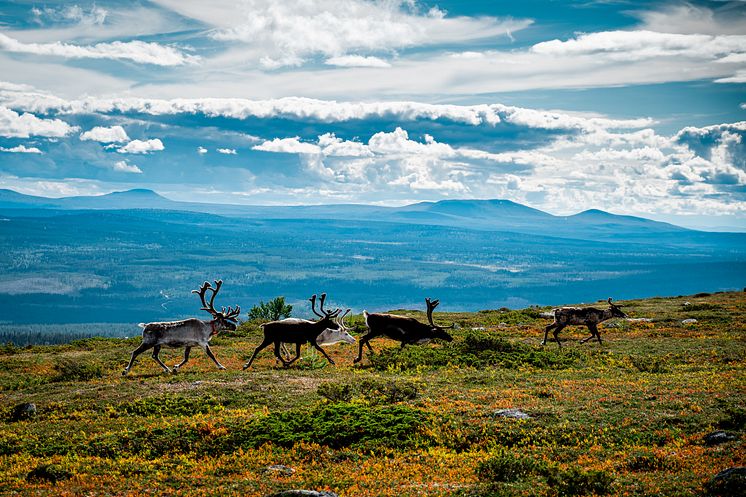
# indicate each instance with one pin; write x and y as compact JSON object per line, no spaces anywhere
{"x":124,"y":373}
{"x":175,"y":370}
{"x":221,"y":367}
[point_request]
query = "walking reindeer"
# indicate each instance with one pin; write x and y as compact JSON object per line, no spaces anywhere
{"x":588,"y":316}
{"x":300,"y":331}
{"x":187,"y":333}
{"x":402,"y":329}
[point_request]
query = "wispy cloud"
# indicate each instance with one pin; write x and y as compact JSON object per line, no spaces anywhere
{"x":356,"y":61}
{"x":227,"y":151}
{"x":135,"y":51}
{"x":21,"y":149}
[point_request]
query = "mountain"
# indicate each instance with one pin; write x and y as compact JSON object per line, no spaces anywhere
{"x":489,"y":215}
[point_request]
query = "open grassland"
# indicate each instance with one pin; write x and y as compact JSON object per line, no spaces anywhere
{"x":625,"y":418}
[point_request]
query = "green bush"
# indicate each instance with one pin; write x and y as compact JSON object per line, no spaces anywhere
{"x":49,"y":472}
{"x":578,"y":482}
{"x":270,"y":311}
{"x":76,"y":370}
{"x":506,"y":467}
{"x":645,"y":364}
{"x":474,"y":348}
{"x":335,"y":392}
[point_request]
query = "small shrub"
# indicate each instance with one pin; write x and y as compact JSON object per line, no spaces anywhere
{"x":578,"y":482}
{"x":270,"y":311}
{"x":49,"y":472}
{"x":167,"y":405}
{"x":506,"y":467}
{"x":72,"y":370}
{"x":649,"y":364}
{"x":335,"y":392}
{"x":735,"y":419}
{"x":645,"y":460}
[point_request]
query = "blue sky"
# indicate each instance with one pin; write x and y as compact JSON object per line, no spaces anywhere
{"x":630,"y":107}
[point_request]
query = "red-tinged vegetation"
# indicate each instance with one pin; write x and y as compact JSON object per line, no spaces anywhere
{"x":627,"y":418}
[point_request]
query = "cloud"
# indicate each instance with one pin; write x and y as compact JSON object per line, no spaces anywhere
{"x":640,"y":45}
{"x":227,"y":151}
{"x":123,"y":166}
{"x":287,"y":146}
{"x":356,"y":61}
{"x":288,"y":33}
{"x":201,"y":150}
{"x":14,"y":125}
{"x":70,"y":13}
{"x":21,"y":149}
{"x":135,"y":51}
{"x":142,"y":146}
{"x":102,"y":134}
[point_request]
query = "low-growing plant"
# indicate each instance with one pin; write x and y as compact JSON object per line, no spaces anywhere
{"x":76,"y":370}
{"x":48,"y":472}
{"x":646,"y":460}
{"x":374,"y":391}
{"x":507,"y":467}
{"x":167,"y":405}
{"x":575,"y":481}
{"x":335,"y":392}
{"x":645,"y":364}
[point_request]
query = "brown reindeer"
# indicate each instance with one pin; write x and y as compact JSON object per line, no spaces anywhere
{"x":588,"y":316}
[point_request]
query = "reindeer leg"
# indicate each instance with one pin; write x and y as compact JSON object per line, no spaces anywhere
{"x":297,"y":354}
{"x":156,"y":351}
{"x":597,"y":333}
{"x":139,"y":350}
{"x":187,"y":350}
{"x":318,"y":347}
{"x":209,"y":353}
{"x":593,"y":333}
{"x":556,"y":335}
{"x":266,"y":343}
{"x":285,"y":351}
{"x":279,"y":356}
{"x":546,"y":332}
{"x":364,"y":341}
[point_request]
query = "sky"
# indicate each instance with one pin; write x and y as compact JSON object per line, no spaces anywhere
{"x":633,"y":107}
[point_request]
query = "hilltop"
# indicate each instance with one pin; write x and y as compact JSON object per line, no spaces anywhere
{"x":627,"y":418}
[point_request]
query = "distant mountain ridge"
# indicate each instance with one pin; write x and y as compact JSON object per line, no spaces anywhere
{"x":490,"y":215}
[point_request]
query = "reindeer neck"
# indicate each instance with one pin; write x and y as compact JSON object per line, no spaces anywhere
{"x":606,"y":314}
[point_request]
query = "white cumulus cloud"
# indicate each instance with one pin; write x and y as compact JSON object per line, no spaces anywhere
{"x":201,"y":150}
{"x":103,"y":134}
{"x":227,"y":151}
{"x":21,"y":149}
{"x":15,"y":125}
{"x":142,"y":146}
{"x":123,"y":166}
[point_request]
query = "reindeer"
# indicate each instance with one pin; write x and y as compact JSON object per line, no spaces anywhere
{"x":187,"y":333}
{"x":589,"y":316}
{"x":402,"y":329}
{"x":299,"y":331}
{"x":326,"y":337}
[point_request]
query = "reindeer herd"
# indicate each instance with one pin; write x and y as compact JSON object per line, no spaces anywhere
{"x":328,"y":329}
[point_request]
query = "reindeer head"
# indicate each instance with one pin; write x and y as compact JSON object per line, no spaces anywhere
{"x":329,"y":336}
{"x":328,"y":318}
{"x":225,"y":319}
{"x":438,"y":331}
{"x":616,"y":310}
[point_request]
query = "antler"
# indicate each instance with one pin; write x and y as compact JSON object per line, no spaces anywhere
{"x":203,"y":290}
{"x":313,"y":305}
{"x":430,"y":307}
{"x":341,"y":319}
{"x":230,"y":313}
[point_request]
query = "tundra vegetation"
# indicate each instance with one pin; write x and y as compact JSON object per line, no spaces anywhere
{"x":627,"y":417}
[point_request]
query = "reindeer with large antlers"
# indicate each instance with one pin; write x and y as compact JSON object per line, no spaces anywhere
{"x":187,"y":333}
{"x":300,"y":331}
{"x":588,"y":316}
{"x":402,"y":329}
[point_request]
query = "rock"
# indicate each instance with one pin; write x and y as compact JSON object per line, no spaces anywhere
{"x":639,"y":320}
{"x":479,"y":328}
{"x":687,"y":304}
{"x":279,"y":468}
{"x":23,"y":411}
{"x":689,"y":321}
{"x":729,"y":482}
{"x":718,"y":437}
{"x":511,"y":413}
{"x":502,"y":325}
{"x":303,"y":493}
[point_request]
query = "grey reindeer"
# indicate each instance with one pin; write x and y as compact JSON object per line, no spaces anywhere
{"x":588,"y":316}
{"x":187,"y":333}
{"x":402,"y":329}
